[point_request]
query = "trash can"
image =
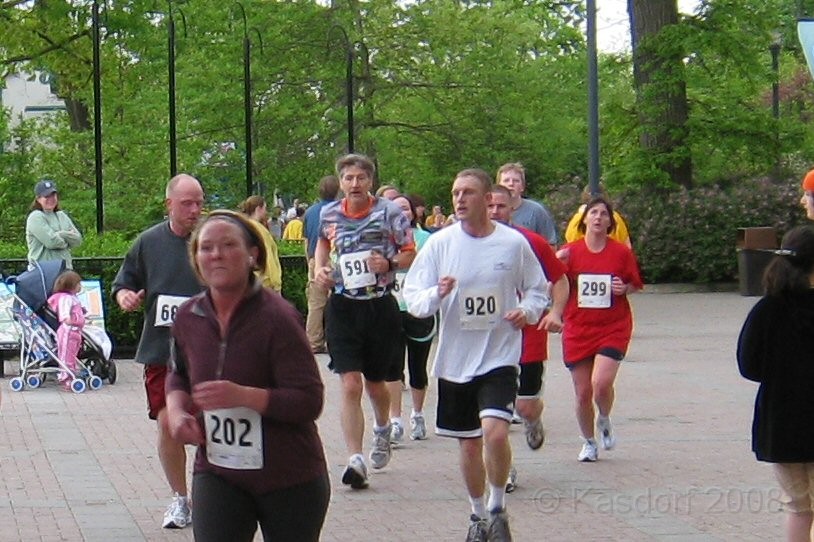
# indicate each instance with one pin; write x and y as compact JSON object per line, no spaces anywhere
{"x":755,"y":248}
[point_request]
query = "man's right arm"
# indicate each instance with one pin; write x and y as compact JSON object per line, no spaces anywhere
{"x":128,"y":286}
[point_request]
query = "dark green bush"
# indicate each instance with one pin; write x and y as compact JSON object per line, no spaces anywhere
{"x":689,"y":235}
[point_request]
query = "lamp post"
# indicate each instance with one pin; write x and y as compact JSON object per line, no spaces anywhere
{"x":774,"y":49}
{"x":97,"y":118}
{"x":171,"y":85}
{"x":349,"y":57}
{"x":593,"y":101}
{"x":247,"y":99}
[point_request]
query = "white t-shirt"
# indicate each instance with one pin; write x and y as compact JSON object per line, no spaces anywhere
{"x":490,"y":272}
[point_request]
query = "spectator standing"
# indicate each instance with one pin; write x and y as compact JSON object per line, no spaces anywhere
{"x":774,"y":350}
{"x":317,"y":296}
{"x":271,"y":275}
{"x":49,"y":232}
{"x":294,"y":229}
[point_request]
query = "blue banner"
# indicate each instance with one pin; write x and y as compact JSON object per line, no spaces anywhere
{"x":805,"y":32}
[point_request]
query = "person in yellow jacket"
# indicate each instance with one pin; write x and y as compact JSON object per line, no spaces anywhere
{"x":619,"y":233}
{"x":271,"y":275}
{"x":294,"y":229}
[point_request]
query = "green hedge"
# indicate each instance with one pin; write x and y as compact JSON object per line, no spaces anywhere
{"x":689,"y":235}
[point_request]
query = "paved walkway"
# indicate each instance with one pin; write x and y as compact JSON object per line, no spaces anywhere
{"x":85,"y":467}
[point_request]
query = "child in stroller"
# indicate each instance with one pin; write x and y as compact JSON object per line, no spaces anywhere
{"x":38,"y":341}
{"x":71,"y":317}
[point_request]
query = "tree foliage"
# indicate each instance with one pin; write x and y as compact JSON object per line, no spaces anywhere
{"x":438,"y":86}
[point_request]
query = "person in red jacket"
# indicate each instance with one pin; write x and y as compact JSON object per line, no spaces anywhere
{"x":598,"y":320}
{"x":244,"y":387}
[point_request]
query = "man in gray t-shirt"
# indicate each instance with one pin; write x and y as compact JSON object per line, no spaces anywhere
{"x":526,"y":212}
{"x":156,"y":274}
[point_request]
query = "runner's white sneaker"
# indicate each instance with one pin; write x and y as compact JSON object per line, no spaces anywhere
{"x":396,"y":432}
{"x":178,"y":514}
{"x":605,"y":430}
{"x":535,"y":434}
{"x":589,"y":452}
{"x":418,"y":427}
{"x":511,"y":483}
{"x":355,"y":474}
{"x":381,"y":452}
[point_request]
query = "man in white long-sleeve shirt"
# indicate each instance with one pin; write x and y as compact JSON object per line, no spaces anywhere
{"x":473,"y":271}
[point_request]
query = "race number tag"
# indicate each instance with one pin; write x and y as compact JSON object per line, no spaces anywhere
{"x":355,"y":271}
{"x":398,"y":289}
{"x":480,"y":308}
{"x":593,"y":291}
{"x":234,"y":438}
{"x":165,"y":308}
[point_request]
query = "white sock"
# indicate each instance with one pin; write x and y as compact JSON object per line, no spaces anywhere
{"x":497,"y":497}
{"x":417,"y":413}
{"x":478,"y":506}
{"x":377,"y":429}
{"x":396,"y":419}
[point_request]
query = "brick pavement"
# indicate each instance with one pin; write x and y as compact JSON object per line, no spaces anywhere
{"x":85,"y":467}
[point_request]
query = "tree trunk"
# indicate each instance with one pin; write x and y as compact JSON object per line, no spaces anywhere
{"x":661,"y":90}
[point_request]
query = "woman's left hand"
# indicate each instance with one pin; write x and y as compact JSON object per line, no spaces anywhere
{"x":214,"y":394}
{"x":618,"y":287}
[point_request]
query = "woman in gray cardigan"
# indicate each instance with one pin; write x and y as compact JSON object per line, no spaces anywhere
{"x":49,"y":232}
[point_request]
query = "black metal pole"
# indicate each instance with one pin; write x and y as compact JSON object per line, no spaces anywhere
{"x":97,"y":119}
{"x":774,"y":48}
{"x":349,"y":93}
{"x":247,"y":106}
{"x":593,"y":102}
{"x":171,"y":48}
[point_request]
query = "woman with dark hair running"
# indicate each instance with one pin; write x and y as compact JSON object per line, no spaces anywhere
{"x":598,"y":322}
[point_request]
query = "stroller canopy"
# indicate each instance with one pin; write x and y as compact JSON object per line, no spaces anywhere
{"x":35,"y":286}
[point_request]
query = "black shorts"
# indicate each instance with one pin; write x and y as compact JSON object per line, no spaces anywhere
{"x":606,"y":351}
{"x":461,"y":406}
{"x":362,"y":335}
{"x":531,"y":380}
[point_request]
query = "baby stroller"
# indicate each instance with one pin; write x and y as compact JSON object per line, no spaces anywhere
{"x":37,"y":325}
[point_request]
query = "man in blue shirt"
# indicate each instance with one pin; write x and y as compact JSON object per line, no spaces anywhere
{"x":317,"y":296}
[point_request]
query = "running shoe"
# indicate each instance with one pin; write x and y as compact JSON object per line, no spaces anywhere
{"x":380,"y":454}
{"x":535,"y":434}
{"x":178,"y":514}
{"x":396,"y":432}
{"x":477,"y":529}
{"x":499,"y":527}
{"x":511,"y":483}
{"x":605,"y":430}
{"x":589,"y":452}
{"x":355,"y":474}
{"x":418,"y":427}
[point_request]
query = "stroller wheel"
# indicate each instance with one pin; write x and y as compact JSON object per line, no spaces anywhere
{"x":33,"y":381}
{"x":78,"y":386}
{"x":16,"y":384}
{"x":95,"y":382}
{"x":111,"y":372}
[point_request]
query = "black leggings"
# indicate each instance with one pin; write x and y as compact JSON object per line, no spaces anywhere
{"x":223,"y":511}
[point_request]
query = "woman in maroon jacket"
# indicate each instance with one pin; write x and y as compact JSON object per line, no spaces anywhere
{"x":245,"y":388}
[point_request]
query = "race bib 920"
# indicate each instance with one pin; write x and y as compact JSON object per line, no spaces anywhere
{"x":480,"y":308}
